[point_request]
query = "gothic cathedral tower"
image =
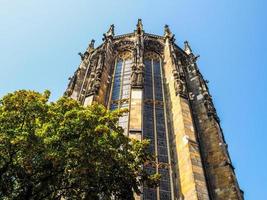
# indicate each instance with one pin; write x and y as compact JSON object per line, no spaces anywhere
{"x":169,"y":103}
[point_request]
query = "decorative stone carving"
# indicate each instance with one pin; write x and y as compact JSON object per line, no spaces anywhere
{"x":190,"y":59}
{"x":124,"y":45}
{"x":95,"y":78}
{"x":72,"y":83}
{"x":168,"y":34}
{"x":135,"y":56}
{"x":91,"y":46}
{"x":191,"y":64}
{"x":81,"y":55}
{"x":187,"y":48}
{"x":179,"y":84}
{"x":109,"y":33}
{"x":154,"y":45}
{"x":137,"y":76}
{"x":191,"y":96}
{"x":211,"y":111}
{"x":195,"y":58}
{"x":139,"y":26}
{"x":174,"y":58}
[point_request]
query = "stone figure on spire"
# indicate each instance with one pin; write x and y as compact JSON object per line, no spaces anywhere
{"x":109,"y":33}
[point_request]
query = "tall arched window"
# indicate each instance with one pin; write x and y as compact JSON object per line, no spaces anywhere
{"x":154,"y":126}
{"x":121,"y":87}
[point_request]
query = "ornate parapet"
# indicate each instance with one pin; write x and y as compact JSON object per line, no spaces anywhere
{"x":154,"y":45}
{"x":124,"y":45}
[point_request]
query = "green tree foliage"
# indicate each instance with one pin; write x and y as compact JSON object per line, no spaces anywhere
{"x":63,"y":150}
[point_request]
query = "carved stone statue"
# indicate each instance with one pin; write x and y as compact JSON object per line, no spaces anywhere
{"x":91,"y":46}
{"x":95,"y":77}
{"x":137,"y":77}
{"x":139,"y":26}
{"x":134,"y":75}
{"x":140,"y":75}
{"x":179,"y":79}
{"x":187,"y":48}
{"x":81,"y":55}
{"x":95,"y":85}
{"x":168,"y":33}
{"x":72,"y":83}
{"x":179,"y":84}
{"x":109,"y":33}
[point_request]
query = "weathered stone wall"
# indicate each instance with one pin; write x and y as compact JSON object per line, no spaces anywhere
{"x":220,"y":174}
{"x":191,"y":175}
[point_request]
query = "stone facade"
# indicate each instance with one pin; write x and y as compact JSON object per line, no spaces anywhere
{"x":169,"y":103}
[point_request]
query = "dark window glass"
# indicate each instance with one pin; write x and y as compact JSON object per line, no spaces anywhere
{"x":117,"y":81}
{"x":165,"y":195}
{"x":150,"y":194}
{"x":121,"y":89}
{"x":153,"y":106}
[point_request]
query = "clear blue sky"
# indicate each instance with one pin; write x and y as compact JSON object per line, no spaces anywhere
{"x":39,"y":42}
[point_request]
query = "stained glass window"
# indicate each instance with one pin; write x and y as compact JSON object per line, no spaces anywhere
{"x":121,"y":89}
{"x":153,"y":117}
{"x":154,"y":127}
